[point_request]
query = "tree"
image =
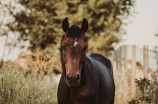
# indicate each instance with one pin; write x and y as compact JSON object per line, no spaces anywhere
{"x":39,"y":21}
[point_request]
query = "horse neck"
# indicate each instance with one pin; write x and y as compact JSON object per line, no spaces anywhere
{"x":89,"y":72}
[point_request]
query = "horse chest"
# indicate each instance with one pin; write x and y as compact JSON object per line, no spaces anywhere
{"x":85,"y":96}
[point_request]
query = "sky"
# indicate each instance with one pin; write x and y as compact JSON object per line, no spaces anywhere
{"x":144,"y":24}
{"x":141,"y":28}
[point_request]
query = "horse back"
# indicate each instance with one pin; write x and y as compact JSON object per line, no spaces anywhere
{"x":104,"y":71}
{"x":99,"y":60}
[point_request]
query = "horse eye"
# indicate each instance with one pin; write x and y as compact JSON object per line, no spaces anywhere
{"x":62,"y":47}
{"x":85,"y":48}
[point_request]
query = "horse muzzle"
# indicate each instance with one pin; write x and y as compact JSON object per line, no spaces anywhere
{"x":73,"y":80}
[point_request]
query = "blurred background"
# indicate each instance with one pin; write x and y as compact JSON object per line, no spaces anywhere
{"x":30,"y":30}
{"x":32,"y":25}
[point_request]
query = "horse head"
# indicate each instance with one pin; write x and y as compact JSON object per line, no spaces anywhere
{"x":73,"y":51}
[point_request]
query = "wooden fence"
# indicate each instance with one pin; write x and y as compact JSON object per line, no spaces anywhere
{"x":130,"y":63}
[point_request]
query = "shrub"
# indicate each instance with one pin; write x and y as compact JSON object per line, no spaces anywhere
{"x":148,"y":90}
{"x":46,"y":62}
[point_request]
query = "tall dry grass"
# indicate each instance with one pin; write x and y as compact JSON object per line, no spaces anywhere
{"x":26,"y":85}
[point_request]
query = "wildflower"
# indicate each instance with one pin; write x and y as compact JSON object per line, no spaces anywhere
{"x":154,"y":72}
{"x":148,"y":71}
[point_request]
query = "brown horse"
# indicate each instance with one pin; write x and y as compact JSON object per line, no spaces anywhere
{"x":86,"y":78}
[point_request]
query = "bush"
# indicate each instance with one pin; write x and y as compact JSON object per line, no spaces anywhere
{"x":46,"y":62}
{"x":148,"y":90}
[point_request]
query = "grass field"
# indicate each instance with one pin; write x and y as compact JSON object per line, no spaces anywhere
{"x":27,"y":86}
{"x":17,"y":88}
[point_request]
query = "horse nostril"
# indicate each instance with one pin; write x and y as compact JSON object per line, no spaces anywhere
{"x":78,"y":77}
{"x":68,"y":78}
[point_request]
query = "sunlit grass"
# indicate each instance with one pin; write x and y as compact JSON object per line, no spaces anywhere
{"x":16,"y":88}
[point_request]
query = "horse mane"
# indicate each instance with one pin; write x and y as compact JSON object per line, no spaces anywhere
{"x":74,"y":31}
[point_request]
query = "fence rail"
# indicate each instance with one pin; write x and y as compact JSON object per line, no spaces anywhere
{"x":130,"y":63}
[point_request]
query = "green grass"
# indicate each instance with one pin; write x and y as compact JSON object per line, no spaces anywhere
{"x":16,"y":88}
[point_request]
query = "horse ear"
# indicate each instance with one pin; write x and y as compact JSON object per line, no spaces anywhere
{"x":84,"y":26}
{"x":65,"y":24}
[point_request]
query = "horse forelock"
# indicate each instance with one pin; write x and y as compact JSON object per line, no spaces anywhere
{"x":74,"y":32}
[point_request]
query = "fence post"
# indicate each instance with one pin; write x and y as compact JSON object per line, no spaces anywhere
{"x":112,"y":57}
{"x":156,"y":56}
{"x":125,"y":57}
{"x":120,"y":58}
{"x":133,"y":75}
{"x":113,"y":60}
{"x":116,"y":54}
{"x":145,"y":60}
{"x":129,"y":79}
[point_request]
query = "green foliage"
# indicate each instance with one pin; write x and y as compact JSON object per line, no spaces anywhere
{"x":39,"y":21}
{"x":15,"y":88}
{"x":148,"y":91}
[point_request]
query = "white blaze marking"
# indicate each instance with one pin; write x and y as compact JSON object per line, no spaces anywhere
{"x":75,"y":43}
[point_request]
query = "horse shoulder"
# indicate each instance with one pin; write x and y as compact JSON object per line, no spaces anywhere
{"x":100,"y":59}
